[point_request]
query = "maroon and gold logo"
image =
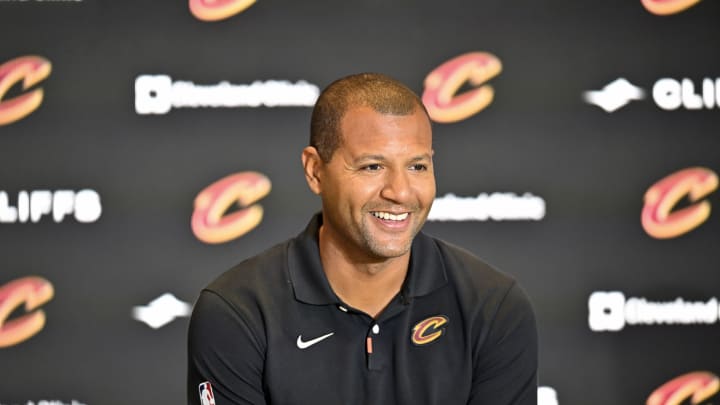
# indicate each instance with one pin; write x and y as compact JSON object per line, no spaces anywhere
{"x":441,"y":98}
{"x":29,"y":70}
{"x":211,"y":223}
{"x":665,"y":7}
{"x":32,"y":292}
{"x":429,"y":330}
{"x":215,"y":10}
{"x":696,"y":386}
{"x":661,"y":219}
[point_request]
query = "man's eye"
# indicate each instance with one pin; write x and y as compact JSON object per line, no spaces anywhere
{"x":419,"y":167}
{"x":372,"y":168}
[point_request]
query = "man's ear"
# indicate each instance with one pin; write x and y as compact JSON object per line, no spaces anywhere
{"x":312,"y":164}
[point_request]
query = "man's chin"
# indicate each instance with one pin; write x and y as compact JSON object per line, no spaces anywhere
{"x":390,"y":251}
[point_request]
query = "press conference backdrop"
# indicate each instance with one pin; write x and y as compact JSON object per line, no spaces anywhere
{"x":147,"y":146}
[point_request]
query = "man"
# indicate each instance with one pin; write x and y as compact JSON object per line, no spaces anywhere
{"x":362,"y":307}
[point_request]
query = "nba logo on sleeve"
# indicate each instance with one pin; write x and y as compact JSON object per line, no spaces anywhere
{"x":206,"y":394}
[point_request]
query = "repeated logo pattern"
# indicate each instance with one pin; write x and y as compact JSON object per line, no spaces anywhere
{"x":30,"y":292}
{"x":30,"y":70}
{"x":441,"y":97}
{"x":210,"y":221}
{"x":215,"y":10}
{"x":695,"y":387}
{"x":666,"y":7}
{"x":659,"y":217}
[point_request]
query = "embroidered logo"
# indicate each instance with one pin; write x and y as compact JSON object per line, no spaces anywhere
{"x":429,"y":330}
{"x":301,"y":344}
{"x":206,"y":393}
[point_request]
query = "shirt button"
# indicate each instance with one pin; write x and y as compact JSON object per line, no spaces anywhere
{"x":376,"y":329}
{"x":342,"y":308}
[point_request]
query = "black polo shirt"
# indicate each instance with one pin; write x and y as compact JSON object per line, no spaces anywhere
{"x":272,"y":331}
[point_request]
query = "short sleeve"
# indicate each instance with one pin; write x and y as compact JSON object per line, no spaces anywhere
{"x":505,"y":370}
{"x":225,"y":350}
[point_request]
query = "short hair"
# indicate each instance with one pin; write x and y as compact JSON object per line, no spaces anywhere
{"x":377,"y":91}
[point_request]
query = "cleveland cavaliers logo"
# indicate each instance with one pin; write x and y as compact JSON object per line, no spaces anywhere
{"x":28,"y":70}
{"x":696,"y":387}
{"x":429,"y":330}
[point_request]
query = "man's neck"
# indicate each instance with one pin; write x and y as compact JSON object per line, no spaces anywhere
{"x":365,"y":284}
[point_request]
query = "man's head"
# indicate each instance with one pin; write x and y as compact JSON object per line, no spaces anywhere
{"x":377,"y":91}
{"x":370,"y":160}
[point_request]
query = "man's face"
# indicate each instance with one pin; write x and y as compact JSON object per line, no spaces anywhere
{"x":379,"y":185}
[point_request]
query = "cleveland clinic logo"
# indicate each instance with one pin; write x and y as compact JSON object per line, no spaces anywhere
{"x":669,"y":94}
{"x":28,"y":70}
{"x":49,"y":401}
{"x":158,"y":94}
{"x":486,"y":207}
{"x":611,"y":311}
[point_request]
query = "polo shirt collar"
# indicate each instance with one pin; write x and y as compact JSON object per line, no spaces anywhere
{"x":311,"y":286}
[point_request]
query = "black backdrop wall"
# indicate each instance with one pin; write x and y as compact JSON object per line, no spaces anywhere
{"x":555,"y":125}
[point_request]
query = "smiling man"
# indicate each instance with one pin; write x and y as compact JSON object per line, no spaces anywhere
{"x":362,"y":307}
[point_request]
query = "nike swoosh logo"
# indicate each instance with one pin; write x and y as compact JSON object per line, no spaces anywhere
{"x":305,"y":345}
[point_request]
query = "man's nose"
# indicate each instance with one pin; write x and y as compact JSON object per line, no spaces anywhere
{"x":397,"y":186}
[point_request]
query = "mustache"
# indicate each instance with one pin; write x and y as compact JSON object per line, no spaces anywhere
{"x":393,"y":208}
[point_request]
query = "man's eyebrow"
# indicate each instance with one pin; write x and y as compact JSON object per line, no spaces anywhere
{"x":424,"y":156}
{"x":381,"y":158}
{"x":364,"y":158}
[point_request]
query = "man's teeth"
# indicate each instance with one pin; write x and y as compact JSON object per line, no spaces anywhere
{"x":391,"y":217}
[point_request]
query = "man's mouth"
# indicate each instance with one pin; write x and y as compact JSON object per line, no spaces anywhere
{"x":390,"y":217}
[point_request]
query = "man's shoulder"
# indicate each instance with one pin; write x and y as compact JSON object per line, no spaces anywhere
{"x":482,"y":289}
{"x":469,"y":271}
{"x":254,"y":275}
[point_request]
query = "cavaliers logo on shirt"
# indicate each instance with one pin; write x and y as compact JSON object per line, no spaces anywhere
{"x":429,"y":330}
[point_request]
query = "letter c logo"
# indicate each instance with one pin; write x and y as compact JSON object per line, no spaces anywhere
{"x":699,"y":385}
{"x":214,"y":10}
{"x":429,"y":330}
{"x":658,"y":218}
{"x":29,"y":69}
{"x":441,"y":85}
{"x":211,"y":224}
{"x":33,"y":292}
{"x":665,"y":7}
